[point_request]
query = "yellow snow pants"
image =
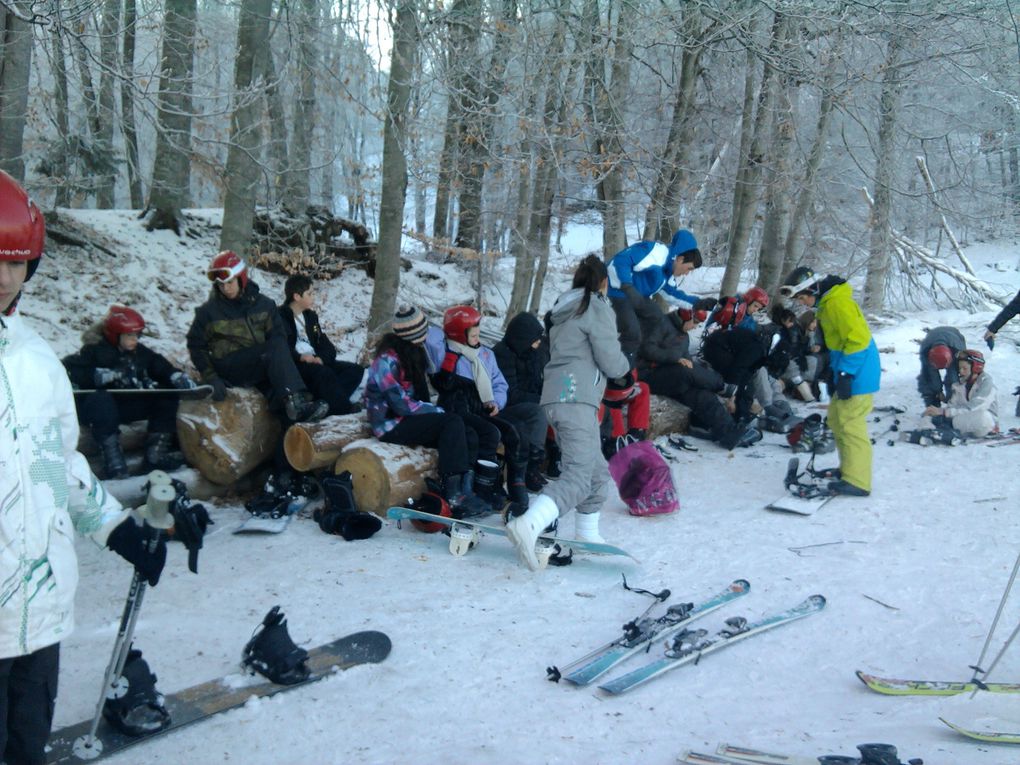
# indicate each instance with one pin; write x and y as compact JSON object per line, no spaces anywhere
{"x":848,"y":419}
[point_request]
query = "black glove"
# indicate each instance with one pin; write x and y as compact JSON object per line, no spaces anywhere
{"x":991,"y":343}
{"x":219,"y":388}
{"x":190,"y":523}
{"x":141,"y":546}
{"x":844,"y":382}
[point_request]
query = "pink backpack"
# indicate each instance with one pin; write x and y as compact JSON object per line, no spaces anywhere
{"x":644,"y":479}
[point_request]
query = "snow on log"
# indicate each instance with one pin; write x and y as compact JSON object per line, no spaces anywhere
{"x":386,"y":475}
{"x":313,"y":445}
{"x":228,"y":439}
{"x":667,"y":416}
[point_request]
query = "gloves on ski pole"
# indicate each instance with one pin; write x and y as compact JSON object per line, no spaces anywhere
{"x":141,"y":546}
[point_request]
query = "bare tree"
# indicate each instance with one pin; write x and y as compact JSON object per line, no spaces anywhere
{"x":108,"y":37}
{"x":394,"y":181}
{"x":171,"y":172}
{"x":127,"y":106}
{"x":15,"y":68}
{"x":242,"y":172}
{"x":299,"y":172}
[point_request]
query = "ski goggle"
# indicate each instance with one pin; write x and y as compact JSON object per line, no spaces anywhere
{"x":225,"y":274}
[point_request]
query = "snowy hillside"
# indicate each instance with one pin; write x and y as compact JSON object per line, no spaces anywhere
{"x":912,"y":574}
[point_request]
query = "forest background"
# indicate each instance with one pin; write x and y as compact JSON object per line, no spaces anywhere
{"x":868,"y":138}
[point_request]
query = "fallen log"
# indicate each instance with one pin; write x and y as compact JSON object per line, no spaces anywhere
{"x":667,"y":416}
{"x":386,"y":475}
{"x":226,"y":440}
{"x":313,"y":445}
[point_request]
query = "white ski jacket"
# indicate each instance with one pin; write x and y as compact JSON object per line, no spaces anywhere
{"x":982,"y":396}
{"x":45,"y":487}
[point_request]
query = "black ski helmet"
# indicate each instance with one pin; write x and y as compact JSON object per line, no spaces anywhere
{"x":799,"y":281}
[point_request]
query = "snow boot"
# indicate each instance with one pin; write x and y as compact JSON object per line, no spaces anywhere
{"x":586,"y":527}
{"x":485,"y":479}
{"x":272,"y":653}
{"x":301,"y":407}
{"x":847,"y":489}
{"x":464,"y":504}
{"x":524,"y":529}
{"x":140,"y":709}
{"x":158,"y":452}
{"x":533,"y":477}
{"x":806,"y":394}
{"x":113,"y":458}
{"x":340,"y":515}
{"x":878,"y":754}
{"x":516,"y":488}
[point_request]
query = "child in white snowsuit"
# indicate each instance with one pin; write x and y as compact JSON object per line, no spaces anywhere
{"x":972,"y":409}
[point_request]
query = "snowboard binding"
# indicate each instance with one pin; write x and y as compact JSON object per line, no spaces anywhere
{"x":273,"y":654}
{"x":134,"y":705}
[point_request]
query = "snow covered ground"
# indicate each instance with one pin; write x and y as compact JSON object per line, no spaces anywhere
{"x":913,"y":577}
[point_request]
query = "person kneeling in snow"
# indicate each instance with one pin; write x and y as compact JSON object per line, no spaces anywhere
{"x":585,"y":351}
{"x":972,"y":409}
{"x":49,"y":492}
{"x":119,"y":360}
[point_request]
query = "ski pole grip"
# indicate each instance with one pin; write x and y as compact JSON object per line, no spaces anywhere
{"x":157,"y":507}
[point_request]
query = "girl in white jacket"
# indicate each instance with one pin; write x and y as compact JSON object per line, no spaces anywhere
{"x":973,"y":408}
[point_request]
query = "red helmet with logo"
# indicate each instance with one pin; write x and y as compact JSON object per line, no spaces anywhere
{"x":458,"y":320}
{"x":226,"y":266}
{"x":22,"y":228}
{"x":121,"y":320}
{"x":976,"y":359}
{"x":757,"y":295}
{"x":940,"y":356}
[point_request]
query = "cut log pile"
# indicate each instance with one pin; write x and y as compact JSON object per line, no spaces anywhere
{"x":314,"y":445}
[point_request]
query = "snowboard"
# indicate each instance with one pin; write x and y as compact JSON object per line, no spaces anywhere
{"x":404,"y":513}
{"x":268,"y":524}
{"x":798,"y":505}
{"x":202,"y":391}
{"x":194,"y":704}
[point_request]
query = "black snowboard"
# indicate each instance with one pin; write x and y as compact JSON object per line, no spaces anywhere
{"x":201,"y":391}
{"x":201,"y":701}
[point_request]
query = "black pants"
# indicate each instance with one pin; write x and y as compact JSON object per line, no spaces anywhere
{"x":736,"y":355}
{"x":460,"y":442}
{"x":529,"y":421}
{"x":333,"y":383}
{"x":105,"y":412}
{"x":268,"y":367}
{"x":28,"y":695}
{"x":628,"y":326}
{"x":685,"y":385}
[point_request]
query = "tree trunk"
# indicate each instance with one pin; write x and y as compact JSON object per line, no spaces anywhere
{"x":444,"y":179}
{"x":793,"y":245}
{"x":15,"y":68}
{"x":662,"y":218}
{"x":170,"y":189}
{"x":777,"y":193}
{"x":298,"y":188}
{"x":241,"y":174}
{"x":61,"y":165}
{"x":106,"y":180}
{"x":745,"y":192}
{"x":279,"y":160}
{"x":604,"y":104}
{"x":880,"y":256}
{"x":127,"y":106}
{"x":465,"y":62}
{"x":394,"y":170}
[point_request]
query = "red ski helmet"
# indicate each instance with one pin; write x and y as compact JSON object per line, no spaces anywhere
{"x":226,"y":266}
{"x":757,"y":295}
{"x":458,"y":320}
{"x":940,"y":356}
{"x":976,"y":359}
{"x":431,"y":502}
{"x":121,"y":320}
{"x":22,"y":228}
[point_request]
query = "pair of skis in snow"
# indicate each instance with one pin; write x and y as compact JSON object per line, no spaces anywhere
{"x":727,"y":754}
{"x":682,"y":645}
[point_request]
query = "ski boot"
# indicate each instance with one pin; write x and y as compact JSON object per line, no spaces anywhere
{"x":160,"y":454}
{"x":113,"y":458}
{"x":140,"y":707}
{"x":882,"y":754}
{"x":272,"y":653}
{"x":838,"y":759}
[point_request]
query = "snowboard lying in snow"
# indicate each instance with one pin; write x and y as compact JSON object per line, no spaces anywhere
{"x":207,"y":699}
{"x":273,"y":523}
{"x":405,"y":513}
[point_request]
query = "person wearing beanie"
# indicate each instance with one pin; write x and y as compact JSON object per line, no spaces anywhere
{"x":640,"y":271}
{"x":856,"y":371}
{"x":337,"y":382}
{"x":938,"y":352}
{"x":400,"y":411}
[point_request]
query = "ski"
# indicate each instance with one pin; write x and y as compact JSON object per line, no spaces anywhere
{"x":704,"y":758}
{"x":758,"y":757}
{"x":896,"y":687}
{"x":690,"y":646}
{"x":638,"y":635}
{"x":993,"y":737}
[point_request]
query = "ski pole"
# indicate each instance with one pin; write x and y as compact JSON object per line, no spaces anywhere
{"x":995,"y":622}
{"x":155,"y":510}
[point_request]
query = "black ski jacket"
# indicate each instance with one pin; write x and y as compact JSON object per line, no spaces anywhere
{"x":140,"y":368}
{"x":322,"y":345}
{"x":521,"y":365}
